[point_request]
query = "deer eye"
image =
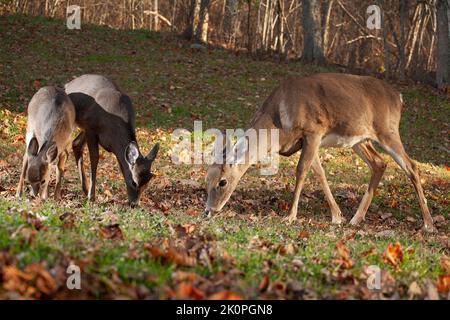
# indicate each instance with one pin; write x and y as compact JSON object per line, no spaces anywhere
{"x":223,"y":183}
{"x":134,"y":184}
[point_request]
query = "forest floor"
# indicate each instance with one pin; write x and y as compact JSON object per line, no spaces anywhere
{"x":165,"y":248}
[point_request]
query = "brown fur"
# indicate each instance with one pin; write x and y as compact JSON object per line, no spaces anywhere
{"x":328,"y":109}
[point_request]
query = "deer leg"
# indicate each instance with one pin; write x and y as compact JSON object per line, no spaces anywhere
{"x":373,"y":159}
{"x":336,"y":215}
{"x":309,"y":151}
{"x":92,"y":142}
{"x":394,"y":147}
{"x":19,"y":190}
{"x":60,"y":173}
{"x":77,"y":147}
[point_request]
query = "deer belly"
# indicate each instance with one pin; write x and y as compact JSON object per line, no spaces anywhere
{"x":335,"y":140}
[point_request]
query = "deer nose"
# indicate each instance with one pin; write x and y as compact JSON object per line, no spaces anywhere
{"x":207,"y":213}
{"x":133,"y":204}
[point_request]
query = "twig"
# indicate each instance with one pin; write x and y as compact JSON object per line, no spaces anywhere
{"x":154,"y":13}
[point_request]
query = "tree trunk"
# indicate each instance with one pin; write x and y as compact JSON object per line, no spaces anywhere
{"x":279,"y":27}
{"x":229,"y":23}
{"x":249,"y":27}
{"x":443,"y":41}
{"x":312,"y":33}
{"x":326,"y":28}
{"x":193,"y":19}
{"x":201,"y":31}
{"x":402,"y":54}
{"x":155,"y":5}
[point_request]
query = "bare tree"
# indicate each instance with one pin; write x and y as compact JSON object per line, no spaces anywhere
{"x":318,"y":30}
{"x":201,"y":30}
{"x":192,"y":19}
{"x":443,"y":51}
{"x":312,"y":32}
{"x":403,"y":16}
{"x":229,"y":23}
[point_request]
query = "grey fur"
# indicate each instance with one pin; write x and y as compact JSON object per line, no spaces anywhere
{"x":51,"y":120}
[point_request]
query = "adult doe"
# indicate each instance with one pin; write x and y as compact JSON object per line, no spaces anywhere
{"x":327,"y":110}
{"x":106,"y":116}
{"x":51,"y":121}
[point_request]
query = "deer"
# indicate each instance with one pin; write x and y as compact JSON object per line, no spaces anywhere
{"x":106,"y":117}
{"x":326,"y":110}
{"x":50,"y":123}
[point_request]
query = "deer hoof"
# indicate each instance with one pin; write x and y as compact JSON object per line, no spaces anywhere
{"x":289,"y":219}
{"x":429,"y":228}
{"x":337,"y":220}
{"x":355,"y":221}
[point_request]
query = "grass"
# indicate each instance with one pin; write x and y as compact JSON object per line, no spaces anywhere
{"x":247,"y":245}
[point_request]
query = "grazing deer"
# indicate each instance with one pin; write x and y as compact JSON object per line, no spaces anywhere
{"x":106,"y":116}
{"x":51,"y":121}
{"x":327,"y":110}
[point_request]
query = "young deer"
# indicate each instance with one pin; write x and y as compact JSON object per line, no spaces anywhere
{"x":327,"y":110}
{"x":51,"y":120}
{"x":106,"y":117}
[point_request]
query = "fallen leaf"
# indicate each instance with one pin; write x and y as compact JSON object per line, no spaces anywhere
{"x":443,"y":283}
{"x":18,"y":140}
{"x":36,"y":84}
{"x":264,"y":284}
{"x":189,"y":227}
{"x":283,"y":206}
{"x":3,"y":163}
{"x":393,"y":203}
{"x":288,"y":249}
{"x":445,"y":263}
{"x":228,"y":258}
{"x":192,"y":212}
{"x":111,"y":231}
{"x":343,"y":259}
{"x":171,"y":255}
{"x":68,"y":219}
{"x":181,"y":276}
{"x":225,"y":295}
{"x":394,"y":255}
{"x":186,"y":290}
{"x":33,"y":282}
{"x":303,"y":235}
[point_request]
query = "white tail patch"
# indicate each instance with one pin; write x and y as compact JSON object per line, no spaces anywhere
{"x":286,"y":120}
{"x":401,"y":98}
{"x":334,"y":140}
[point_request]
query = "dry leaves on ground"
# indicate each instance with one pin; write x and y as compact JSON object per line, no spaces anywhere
{"x":171,"y":255}
{"x":343,"y":260}
{"x":32,"y":282}
{"x":394,"y":255}
{"x":112,"y":232}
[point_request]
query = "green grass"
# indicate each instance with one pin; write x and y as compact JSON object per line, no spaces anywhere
{"x":172,"y":85}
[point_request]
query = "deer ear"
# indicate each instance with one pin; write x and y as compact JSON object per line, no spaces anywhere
{"x":238,"y":152}
{"x":153,"y":153}
{"x":131,"y":153}
{"x":52,"y":153}
{"x":33,"y":147}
